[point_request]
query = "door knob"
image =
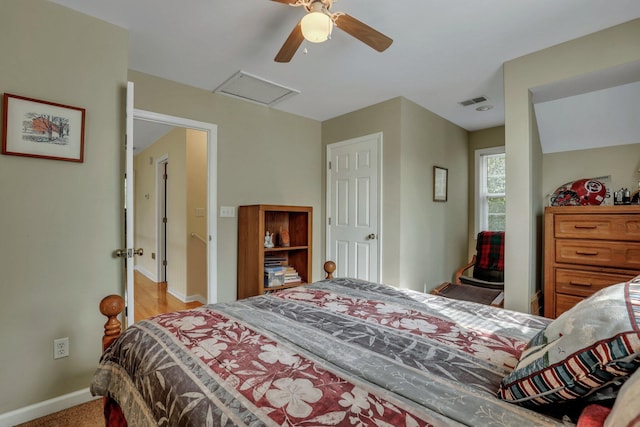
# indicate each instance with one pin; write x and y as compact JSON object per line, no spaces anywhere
{"x":129,"y":253}
{"x":371,"y":236}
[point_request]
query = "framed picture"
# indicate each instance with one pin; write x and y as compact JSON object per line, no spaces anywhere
{"x":34,"y":128}
{"x":440,"y":184}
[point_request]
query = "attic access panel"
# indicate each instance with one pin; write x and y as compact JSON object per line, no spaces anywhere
{"x":255,"y":89}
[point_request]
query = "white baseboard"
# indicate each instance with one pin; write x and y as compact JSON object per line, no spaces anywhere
{"x":179,"y":295}
{"x":186,"y":299}
{"x":37,"y":410}
{"x":197,"y":297}
{"x":146,"y":273}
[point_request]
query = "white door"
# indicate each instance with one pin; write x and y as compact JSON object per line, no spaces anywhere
{"x":354,"y":207}
{"x":128,"y":209}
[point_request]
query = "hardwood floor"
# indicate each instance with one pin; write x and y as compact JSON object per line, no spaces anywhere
{"x":152,"y":298}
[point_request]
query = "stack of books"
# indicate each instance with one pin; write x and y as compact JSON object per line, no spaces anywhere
{"x":291,"y":275}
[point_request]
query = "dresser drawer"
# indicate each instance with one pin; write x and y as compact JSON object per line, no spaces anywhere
{"x":599,"y":253}
{"x":598,"y":226}
{"x":586,"y":283}
{"x":565,"y":302}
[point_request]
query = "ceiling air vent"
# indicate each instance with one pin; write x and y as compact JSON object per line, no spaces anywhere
{"x":254,"y":89}
{"x":472,"y":101}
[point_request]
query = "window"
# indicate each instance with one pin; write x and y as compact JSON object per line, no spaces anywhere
{"x":490,"y":189}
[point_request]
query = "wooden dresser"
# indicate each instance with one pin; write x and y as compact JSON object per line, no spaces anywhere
{"x":587,"y":248}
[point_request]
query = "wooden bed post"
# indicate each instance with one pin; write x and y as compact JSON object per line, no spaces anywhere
{"x":329,"y":268}
{"x":111,"y":306}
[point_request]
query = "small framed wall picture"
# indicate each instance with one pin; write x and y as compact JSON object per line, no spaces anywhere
{"x":34,"y":128}
{"x":440,"y":184}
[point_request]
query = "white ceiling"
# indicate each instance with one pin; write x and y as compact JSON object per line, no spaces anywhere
{"x":146,"y":133}
{"x":590,"y":120}
{"x":444,"y":51}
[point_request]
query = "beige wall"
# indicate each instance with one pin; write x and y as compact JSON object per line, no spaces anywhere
{"x":264,"y":156}
{"x":608,"y":48}
{"x":173,"y":146}
{"x":145,"y":200}
{"x":196,"y":168}
{"x":60,"y":221}
{"x":433,"y":235}
{"x":417,"y":253}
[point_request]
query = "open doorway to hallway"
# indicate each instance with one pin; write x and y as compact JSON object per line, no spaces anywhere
{"x":170,"y":216}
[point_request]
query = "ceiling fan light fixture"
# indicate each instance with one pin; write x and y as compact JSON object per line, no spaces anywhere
{"x":316,"y":26}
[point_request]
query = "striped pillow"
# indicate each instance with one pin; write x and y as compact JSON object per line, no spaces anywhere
{"x":594,"y":344}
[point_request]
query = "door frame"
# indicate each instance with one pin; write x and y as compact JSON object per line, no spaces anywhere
{"x":212,"y":187}
{"x":329,"y":193}
{"x":161,"y":228}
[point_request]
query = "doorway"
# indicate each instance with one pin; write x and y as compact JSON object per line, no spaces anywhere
{"x":206,"y":209}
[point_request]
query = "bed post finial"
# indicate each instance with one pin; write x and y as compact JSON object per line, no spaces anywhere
{"x":111,"y":306}
{"x":329,"y":268}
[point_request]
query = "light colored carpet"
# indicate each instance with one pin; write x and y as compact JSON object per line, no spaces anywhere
{"x":86,"y":415}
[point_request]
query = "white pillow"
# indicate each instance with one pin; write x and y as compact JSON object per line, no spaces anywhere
{"x":626,"y":410}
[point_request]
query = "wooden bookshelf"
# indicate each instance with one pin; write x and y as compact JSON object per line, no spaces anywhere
{"x":253,"y":223}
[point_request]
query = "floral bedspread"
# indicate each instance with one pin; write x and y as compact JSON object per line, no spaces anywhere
{"x":340,"y":352}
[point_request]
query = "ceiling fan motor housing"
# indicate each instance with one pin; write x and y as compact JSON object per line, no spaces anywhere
{"x":317,"y":25}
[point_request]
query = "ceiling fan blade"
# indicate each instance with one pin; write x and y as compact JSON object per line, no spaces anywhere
{"x":285,"y":1}
{"x":290,"y":45}
{"x":363,"y":32}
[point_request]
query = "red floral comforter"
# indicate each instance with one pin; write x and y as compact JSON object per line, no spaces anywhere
{"x":339,"y":352}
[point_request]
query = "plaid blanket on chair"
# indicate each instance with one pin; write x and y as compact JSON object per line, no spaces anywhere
{"x":490,"y":250}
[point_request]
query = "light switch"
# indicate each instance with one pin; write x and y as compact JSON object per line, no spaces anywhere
{"x":227,"y":211}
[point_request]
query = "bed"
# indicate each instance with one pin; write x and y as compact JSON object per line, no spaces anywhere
{"x":354,"y":353}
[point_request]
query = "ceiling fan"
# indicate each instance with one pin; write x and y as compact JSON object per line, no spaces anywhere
{"x":317,"y":24}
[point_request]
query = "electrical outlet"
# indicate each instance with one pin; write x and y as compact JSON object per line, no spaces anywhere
{"x":60,"y":347}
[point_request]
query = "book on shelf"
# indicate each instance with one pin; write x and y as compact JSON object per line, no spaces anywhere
{"x":274,"y":261}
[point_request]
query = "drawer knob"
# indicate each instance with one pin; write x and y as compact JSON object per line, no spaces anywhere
{"x":588,"y":227}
